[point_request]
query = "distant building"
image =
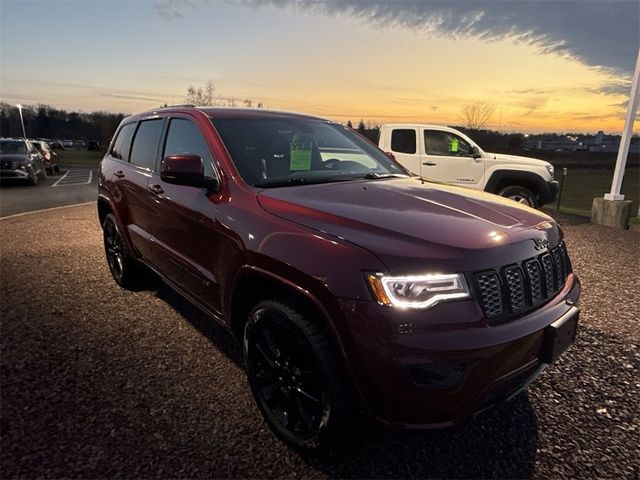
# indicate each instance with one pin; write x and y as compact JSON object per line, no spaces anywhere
{"x":600,"y":142}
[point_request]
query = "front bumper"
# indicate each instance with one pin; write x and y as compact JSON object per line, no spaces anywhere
{"x":435,"y":368}
{"x":13,"y":173}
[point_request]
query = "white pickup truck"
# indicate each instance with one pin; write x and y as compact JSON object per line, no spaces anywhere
{"x":447,"y":155}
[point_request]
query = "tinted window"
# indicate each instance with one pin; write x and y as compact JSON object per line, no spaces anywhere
{"x":122,"y":145}
{"x":185,"y":138}
{"x":145,"y":144}
{"x":449,"y":144}
{"x":12,"y":146}
{"x":403,"y":141}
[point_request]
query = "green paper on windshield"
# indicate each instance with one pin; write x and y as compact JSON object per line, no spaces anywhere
{"x":301,"y":150}
{"x":454,"y":145}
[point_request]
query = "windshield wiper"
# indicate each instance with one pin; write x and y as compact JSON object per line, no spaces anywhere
{"x":299,"y":181}
{"x":374,"y":176}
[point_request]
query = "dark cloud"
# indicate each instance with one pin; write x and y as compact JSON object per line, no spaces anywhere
{"x":600,"y":33}
{"x":172,"y":9}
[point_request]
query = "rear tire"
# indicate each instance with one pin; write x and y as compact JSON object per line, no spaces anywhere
{"x":33,"y":177}
{"x":294,"y":375}
{"x":519,"y":194}
{"x":124,"y":268}
{"x":43,"y":174}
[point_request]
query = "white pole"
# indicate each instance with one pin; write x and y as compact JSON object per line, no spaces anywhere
{"x":621,"y":161}
{"x":24,"y":134}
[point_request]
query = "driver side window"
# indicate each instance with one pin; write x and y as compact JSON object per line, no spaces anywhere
{"x":441,"y":143}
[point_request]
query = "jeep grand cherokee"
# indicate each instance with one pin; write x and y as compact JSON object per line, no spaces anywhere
{"x":351,"y":284}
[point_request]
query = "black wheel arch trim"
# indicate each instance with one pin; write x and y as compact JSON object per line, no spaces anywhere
{"x":325,"y":316}
{"x":545,"y":190}
{"x":114,"y":211}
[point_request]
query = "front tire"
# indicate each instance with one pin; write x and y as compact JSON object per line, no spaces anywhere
{"x":124,"y":268}
{"x":519,"y":194}
{"x":294,"y":376}
{"x":33,"y":177}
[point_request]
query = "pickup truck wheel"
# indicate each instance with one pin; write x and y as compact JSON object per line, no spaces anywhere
{"x":124,"y":269}
{"x":294,"y":376}
{"x":519,"y":194}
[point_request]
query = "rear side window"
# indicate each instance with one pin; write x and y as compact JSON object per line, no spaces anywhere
{"x":145,"y":144}
{"x":403,"y":141}
{"x":122,"y":145}
{"x":185,"y":138}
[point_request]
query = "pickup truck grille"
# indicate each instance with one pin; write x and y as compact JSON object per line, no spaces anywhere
{"x":513,"y":289}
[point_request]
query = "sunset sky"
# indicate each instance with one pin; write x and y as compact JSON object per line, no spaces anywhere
{"x":547,"y":66}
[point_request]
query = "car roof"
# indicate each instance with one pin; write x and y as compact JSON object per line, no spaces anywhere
{"x":419,"y":125}
{"x":226,"y":113}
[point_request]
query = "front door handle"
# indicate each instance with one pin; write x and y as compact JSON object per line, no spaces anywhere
{"x":157,"y":189}
{"x":429,"y":164}
{"x":119,"y":173}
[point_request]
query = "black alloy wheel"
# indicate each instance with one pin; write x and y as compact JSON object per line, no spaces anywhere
{"x":293,"y":375}
{"x":124,"y":269}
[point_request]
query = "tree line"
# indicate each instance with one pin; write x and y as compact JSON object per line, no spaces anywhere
{"x":45,"y":121}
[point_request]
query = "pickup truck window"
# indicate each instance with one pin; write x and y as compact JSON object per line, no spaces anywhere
{"x":438,"y":142}
{"x":185,"y":138}
{"x":403,"y":140}
{"x":122,"y":145}
{"x":145,"y":144}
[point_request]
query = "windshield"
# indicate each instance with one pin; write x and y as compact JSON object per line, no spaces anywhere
{"x":292,"y":151}
{"x":12,"y":146}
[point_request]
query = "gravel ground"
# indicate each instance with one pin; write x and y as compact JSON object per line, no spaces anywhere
{"x":99,"y":382}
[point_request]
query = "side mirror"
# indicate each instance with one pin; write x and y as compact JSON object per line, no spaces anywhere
{"x":475,"y":152}
{"x":186,"y":170}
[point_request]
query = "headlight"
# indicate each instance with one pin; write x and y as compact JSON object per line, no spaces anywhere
{"x":549,"y":168}
{"x":417,"y":291}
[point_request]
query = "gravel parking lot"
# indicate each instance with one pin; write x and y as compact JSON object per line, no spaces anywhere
{"x":96,"y":381}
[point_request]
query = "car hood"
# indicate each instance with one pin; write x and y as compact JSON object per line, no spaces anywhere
{"x":14,"y":157}
{"x":518,"y":159}
{"x":406,"y":222}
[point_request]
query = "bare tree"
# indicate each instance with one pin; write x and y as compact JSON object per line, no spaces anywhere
{"x":476,"y":115}
{"x":201,"y":95}
{"x":206,"y":95}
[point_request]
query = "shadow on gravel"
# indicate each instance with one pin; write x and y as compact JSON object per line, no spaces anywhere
{"x":499,"y":443}
{"x":218,"y":335}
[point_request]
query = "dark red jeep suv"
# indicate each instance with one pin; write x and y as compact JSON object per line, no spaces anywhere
{"x":351,"y":284}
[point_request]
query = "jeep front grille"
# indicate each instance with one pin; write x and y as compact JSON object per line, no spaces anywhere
{"x":515,"y":288}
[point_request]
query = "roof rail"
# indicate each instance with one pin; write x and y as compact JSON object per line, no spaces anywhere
{"x":177,"y":106}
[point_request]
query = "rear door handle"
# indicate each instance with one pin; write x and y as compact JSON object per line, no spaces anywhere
{"x":157,"y":189}
{"x":119,"y":173}
{"x":429,"y":164}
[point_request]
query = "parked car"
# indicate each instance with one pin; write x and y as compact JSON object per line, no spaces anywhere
{"x":67,"y":143}
{"x":56,"y":144}
{"x":93,"y":145}
{"x":448,"y":155}
{"x":80,"y":144}
{"x":49,"y":157}
{"x":19,"y":159}
{"x":351,"y":284}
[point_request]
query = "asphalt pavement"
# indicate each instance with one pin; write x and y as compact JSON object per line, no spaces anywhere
{"x":97,"y":382}
{"x":71,"y":186}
